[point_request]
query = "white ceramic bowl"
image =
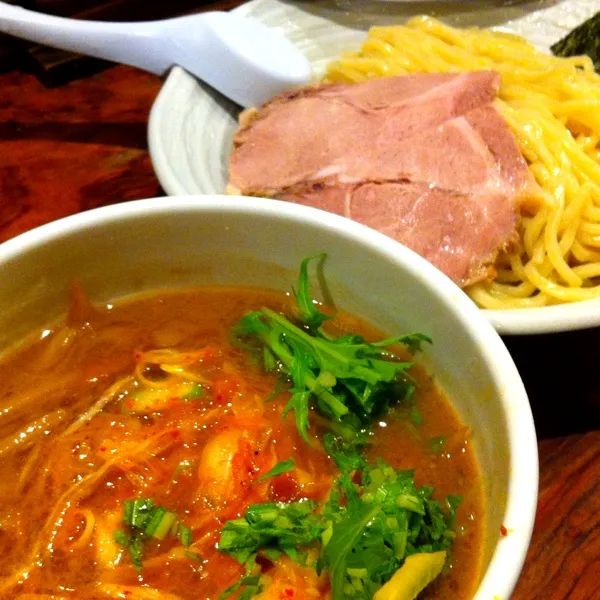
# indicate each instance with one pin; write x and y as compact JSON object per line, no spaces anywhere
{"x":191,"y":128}
{"x":175,"y":242}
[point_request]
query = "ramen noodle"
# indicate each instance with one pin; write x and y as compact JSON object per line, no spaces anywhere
{"x":553,"y":107}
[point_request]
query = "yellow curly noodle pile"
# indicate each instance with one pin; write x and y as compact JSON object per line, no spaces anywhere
{"x":553,"y":107}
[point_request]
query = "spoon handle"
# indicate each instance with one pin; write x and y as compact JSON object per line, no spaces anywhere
{"x":132,"y":44}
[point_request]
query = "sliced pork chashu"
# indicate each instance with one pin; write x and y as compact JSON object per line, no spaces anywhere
{"x":425,"y":159}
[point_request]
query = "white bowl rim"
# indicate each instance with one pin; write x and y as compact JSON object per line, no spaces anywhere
{"x":509,"y":555}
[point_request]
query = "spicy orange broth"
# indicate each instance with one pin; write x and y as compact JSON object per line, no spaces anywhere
{"x":49,"y":486}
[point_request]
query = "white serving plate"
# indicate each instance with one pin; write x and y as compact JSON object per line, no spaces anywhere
{"x":191,"y":127}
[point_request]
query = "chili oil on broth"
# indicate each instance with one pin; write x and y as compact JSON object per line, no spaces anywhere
{"x":64,"y":479}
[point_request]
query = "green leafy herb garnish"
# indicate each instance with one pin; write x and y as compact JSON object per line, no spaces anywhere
{"x":283,"y":527}
{"x":375,"y":517}
{"x":312,"y":317}
{"x":364,"y":532}
{"x":350,"y":380}
{"x":144,"y":521}
{"x":345,"y":536}
{"x":281,"y":467}
{"x":346,"y":454}
{"x":407,"y":520}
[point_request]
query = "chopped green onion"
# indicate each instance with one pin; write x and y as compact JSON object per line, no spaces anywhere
{"x":196,"y":392}
{"x":283,"y":522}
{"x":136,"y":551}
{"x":162,"y":526}
{"x":157,"y":516}
{"x":326,"y":379}
{"x":357,"y":573}
{"x":185,"y":535}
{"x":140,"y":512}
{"x":365,"y":531}
{"x":146,"y":521}
{"x":121,"y":537}
{"x":250,"y":581}
{"x":128,"y":512}
{"x":411,"y":503}
{"x":269,"y":515}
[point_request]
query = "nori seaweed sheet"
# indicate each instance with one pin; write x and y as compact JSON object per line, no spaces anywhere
{"x":584,"y":39}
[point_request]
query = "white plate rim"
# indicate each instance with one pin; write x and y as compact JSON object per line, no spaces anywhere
{"x":574,"y":316}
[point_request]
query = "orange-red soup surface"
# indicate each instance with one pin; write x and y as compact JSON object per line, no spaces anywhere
{"x":65,"y":470}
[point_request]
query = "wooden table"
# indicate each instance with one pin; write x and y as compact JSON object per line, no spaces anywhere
{"x":84,"y":145}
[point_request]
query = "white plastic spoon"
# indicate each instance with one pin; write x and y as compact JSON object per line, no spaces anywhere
{"x":243,"y":59}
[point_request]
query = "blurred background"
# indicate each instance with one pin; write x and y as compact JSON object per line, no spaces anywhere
{"x":54,"y":67}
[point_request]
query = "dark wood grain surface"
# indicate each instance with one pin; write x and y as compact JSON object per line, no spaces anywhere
{"x":564,"y":557}
{"x":81,"y":146}
{"x":72,"y":148}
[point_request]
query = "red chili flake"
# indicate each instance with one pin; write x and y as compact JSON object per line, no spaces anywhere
{"x":224,"y":390}
{"x":102,"y":448}
{"x":503,"y":531}
{"x":175,"y":434}
{"x":289,"y":593}
{"x":137,"y":356}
